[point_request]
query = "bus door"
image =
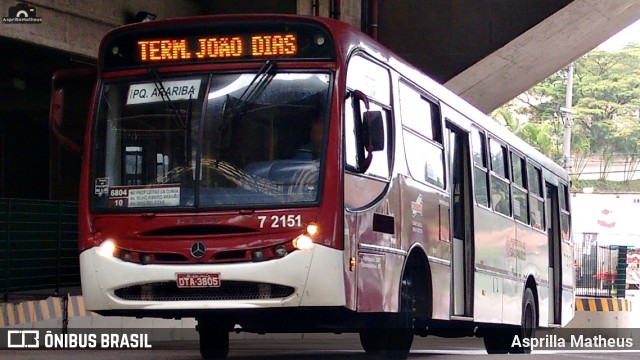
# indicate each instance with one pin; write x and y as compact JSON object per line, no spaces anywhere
{"x":461,"y":220}
{"x":555,"y":275}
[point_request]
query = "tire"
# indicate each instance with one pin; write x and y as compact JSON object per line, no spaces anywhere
{"x":393,"y":342}
{"x":496,"y":341}
{"x":529,"y":321}
{"x":499,"y":340}
{"x":214,"y":342}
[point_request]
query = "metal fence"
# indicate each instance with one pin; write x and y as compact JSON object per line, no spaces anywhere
{"x":38,"y":245}
{"x":595,"y":270}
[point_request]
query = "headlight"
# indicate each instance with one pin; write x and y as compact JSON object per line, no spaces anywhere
{"x":106,"y":249}
{"x":303,"y":242}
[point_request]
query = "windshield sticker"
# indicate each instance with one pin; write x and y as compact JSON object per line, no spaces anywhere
{"x":128,"y":196}
{"x":102,"y":186}
{"x":175,"y":90}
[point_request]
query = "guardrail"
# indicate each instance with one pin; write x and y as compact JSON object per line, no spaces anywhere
{"x":38,"y":245}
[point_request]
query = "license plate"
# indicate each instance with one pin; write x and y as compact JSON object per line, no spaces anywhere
{"x":202,"y":280}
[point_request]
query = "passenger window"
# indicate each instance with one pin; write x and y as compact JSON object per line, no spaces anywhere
{"x":500,"y":194}
{"x":535,"y":185}
{"x":425,"y":159}
{"x":480,"y":171}
{"x":498,"y":158}
{"x":133,"y":165}
{"x":536,"y":200}
{"x":500,"y":198}
{"x":565,"y":215}
{"x":420,"y":114}
{"x":519,"y":189}
{"x":518,"y":167}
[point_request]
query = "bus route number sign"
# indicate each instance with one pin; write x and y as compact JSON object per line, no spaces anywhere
{"x":199,"y":280}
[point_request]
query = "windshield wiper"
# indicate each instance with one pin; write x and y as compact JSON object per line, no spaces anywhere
{"x":231,"y":112}
{"x":165,"y":97}
{"x":255,"y":87}
{"x":262,"y":78}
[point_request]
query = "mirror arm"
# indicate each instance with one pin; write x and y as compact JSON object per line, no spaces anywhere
{"x":66,"y":143}
{"x":369,"y":147}
{"x":360,"y":96}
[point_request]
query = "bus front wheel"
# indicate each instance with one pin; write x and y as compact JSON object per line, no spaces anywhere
{"x":393,"y":342}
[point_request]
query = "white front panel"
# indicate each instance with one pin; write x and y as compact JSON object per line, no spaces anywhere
{"x":316,"y":275}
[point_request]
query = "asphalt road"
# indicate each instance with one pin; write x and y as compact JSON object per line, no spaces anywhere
{"x":309,"y":349}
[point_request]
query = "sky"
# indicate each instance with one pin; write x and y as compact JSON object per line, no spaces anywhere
{"x":629,"y":35}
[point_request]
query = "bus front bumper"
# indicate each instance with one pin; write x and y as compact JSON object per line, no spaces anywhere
{"x":309,"y":278}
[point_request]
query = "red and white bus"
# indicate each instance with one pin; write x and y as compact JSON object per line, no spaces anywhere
{"x":275,"y":173}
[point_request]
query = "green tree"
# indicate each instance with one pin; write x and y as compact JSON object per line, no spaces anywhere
{"x":607,"y":101}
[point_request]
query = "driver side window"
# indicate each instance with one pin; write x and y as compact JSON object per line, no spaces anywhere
{"x":379,"y":166}
{"x":373,"y":81}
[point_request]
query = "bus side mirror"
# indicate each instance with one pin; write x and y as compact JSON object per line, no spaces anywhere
{"x":373,"y":130}
{"x":71,"y":93}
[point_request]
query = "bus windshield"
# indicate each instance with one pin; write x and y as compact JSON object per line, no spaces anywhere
{"x":210,"y":141}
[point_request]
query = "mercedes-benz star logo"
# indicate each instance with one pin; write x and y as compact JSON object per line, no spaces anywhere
{"x":197,"y":250}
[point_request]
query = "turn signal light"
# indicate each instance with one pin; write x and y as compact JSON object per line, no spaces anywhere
{"x":312,"y":229}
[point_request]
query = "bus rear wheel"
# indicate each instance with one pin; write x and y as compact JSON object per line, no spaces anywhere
{"x":393,"y":342}
{"x":214,"y":340}
{"x":529,"y":322}
{"x":500,"y":340}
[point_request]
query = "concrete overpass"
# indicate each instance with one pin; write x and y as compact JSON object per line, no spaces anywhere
{"x":488,"y":51}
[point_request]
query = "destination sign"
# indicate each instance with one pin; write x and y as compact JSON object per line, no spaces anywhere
{"x":205,"y":41}
{"x":217,"y":47}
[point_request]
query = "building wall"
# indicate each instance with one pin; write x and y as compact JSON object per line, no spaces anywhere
{"x":608,"y":219}
{"x":77,"y":26}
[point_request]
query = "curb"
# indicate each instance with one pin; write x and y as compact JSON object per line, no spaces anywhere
{"x":603,"y":304}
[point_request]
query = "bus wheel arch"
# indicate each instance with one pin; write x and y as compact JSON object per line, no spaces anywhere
{"x":417,"y":267}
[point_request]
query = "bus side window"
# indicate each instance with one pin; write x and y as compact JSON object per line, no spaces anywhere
{"x":420,"y":114}
{"x":422,"y":136}
{"x":564,"y":212}
{"x":536,"y":200}
{"x":379,"y":166}
{"x":133,"y":165}
{"x":500,"y":194}
{"x":480,"y":167}
{"x":519,"y":189}
{"x":374,"y":81}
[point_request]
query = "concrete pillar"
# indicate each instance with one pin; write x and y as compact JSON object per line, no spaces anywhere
{"x":350,"y":11}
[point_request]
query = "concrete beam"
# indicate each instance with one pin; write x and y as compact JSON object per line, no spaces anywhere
{"x":78,"y":26}
{"x":539,"y":52}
